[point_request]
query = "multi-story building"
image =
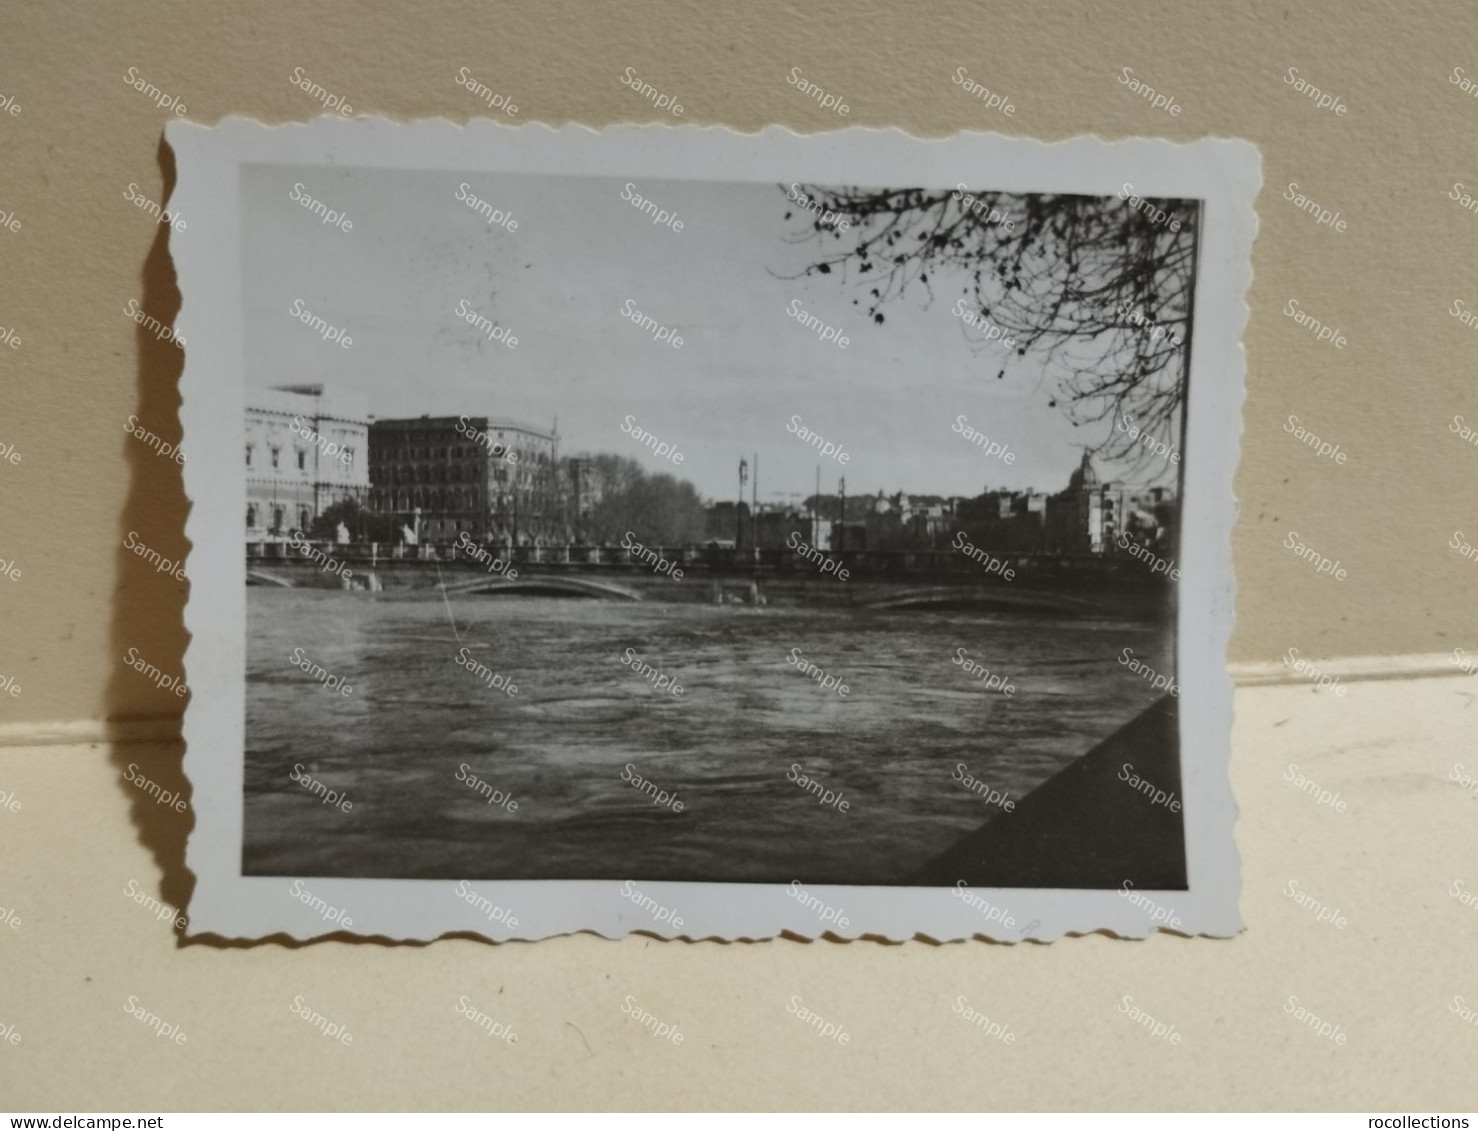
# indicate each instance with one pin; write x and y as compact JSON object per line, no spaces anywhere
{"x":773,"y":526}
{"x":1085,"y":518}
{"x":1153,"y":519}
{"x":306,"y":449}
{"x":1007,"y":521}
{"x":884,"y":520}
{"x":727,"y":523}
{"x":928,"y":523}
{"x":907,"y":522}
{"x":583,"y":485}
{"x":440,"y":475}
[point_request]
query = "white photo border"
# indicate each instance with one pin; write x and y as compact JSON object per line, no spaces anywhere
{"x":1225,"y":174}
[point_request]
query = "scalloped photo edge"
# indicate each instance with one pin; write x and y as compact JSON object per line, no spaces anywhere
{"x":241,"y":895}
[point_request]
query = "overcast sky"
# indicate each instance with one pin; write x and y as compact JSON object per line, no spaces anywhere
{"x":558,"y":284}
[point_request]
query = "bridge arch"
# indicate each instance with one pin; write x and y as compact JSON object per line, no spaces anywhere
{"x":262,"y":577}
{"x":953,"y":596}
{"x":545,"y":586}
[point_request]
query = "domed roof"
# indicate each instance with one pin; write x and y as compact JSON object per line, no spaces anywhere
{"x":1084,"y":476}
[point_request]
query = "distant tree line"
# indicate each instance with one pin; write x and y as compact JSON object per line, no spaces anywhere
{"x":616,"y":495}
{"x":658,"y":509}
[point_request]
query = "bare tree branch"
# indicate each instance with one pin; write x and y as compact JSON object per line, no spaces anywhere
{"x":1097,"y":289}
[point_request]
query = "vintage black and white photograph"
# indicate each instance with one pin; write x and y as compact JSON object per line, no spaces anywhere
{"x":659,"y":525}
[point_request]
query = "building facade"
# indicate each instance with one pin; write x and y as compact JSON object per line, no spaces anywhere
{"x":1088,"y":516}
{"x":1007,"y":521}
{"x":583,"y":485}
{"x":437,"y":476}
{"x":773,"y":527}
{"x":1153,"y":520}
{"x":908,"y":522}
{"x":306,"y":450}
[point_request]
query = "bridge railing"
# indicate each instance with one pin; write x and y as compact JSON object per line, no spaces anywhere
{"x":763,"y":561}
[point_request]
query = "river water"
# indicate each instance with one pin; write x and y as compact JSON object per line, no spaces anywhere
{"x":393,"y":746}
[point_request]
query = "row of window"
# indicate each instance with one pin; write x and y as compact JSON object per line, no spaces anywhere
{"x":466,"y":501}
{"x":455,"y":474}
{"x":302,"y":453}
{"x":458,"y":451}
{"x":275,"y":452}
{"x":305,"y":517}
{"x":455,"y":499}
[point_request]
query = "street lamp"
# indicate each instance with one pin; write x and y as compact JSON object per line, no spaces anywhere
{"x":739,"y":509}
{"x":842,"y":494}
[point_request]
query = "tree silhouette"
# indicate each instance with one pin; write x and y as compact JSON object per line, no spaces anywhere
{"x":1096,"y":285}
{"x":658,"y":509}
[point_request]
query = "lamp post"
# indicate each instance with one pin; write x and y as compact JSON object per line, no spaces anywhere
{"x":842,"y":494}
{"x":739,"y":508}
{"x":754,"y":508}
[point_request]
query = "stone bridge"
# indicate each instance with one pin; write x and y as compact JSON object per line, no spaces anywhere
{"x":262,"y":577}
{"x":544,"y":585}
{"x":998,"y":596}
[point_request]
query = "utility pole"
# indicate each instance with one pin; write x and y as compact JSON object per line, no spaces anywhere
{"x":739,"y":508}
{"x":842,"y":494}
{"x":754,"y":506}
{"x":576,"y":483}
{"x":816,"y":512}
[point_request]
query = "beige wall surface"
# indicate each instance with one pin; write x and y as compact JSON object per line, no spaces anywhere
{"x":81,"y":251}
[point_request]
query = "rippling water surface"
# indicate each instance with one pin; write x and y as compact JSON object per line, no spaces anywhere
{"x":394,"y":745}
